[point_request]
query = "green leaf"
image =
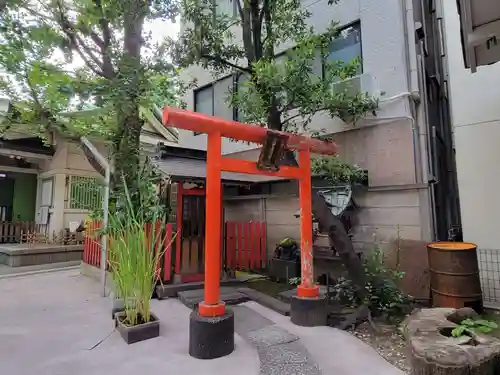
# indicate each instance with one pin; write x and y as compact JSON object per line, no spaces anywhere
{"x":468,"y":322}
{"x":486,"y":323}
{"x":482,"y":329}
{"x":458,"y":331}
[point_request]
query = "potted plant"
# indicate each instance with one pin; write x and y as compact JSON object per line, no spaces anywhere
{"x":285,"y":263}
{"x":136,"y":248}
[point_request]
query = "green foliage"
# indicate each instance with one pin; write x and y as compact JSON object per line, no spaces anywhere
{"x":336,"y":172}
{"x":467,"y":326}
{"x":287,"y":242}
{"x":135,"y":251}
{"x":383,"y":296}
{"x":282,"y":92}
{"x":119,"y":68}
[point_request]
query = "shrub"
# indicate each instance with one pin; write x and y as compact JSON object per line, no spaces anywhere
{"x":383,"y":297}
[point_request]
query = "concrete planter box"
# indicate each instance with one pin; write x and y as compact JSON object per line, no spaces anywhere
{"x":284,"y":269}
{"x":118,"y":306}
{"x":139,"y":332}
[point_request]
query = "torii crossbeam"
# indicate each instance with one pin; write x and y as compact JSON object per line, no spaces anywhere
{"x":207,"y":339}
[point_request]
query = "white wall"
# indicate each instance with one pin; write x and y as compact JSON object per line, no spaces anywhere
{"x":475,"y":104}
{"x":383,"y":50}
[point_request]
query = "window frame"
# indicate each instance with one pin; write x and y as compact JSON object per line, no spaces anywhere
{"x":209,"y":86}
{"x":357,"y":25}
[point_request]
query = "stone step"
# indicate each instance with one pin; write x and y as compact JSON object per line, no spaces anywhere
{"x":172,"y":290}
{"x":20,"y":255}
{"x":272,"y":303}
{"x":230,"y":295}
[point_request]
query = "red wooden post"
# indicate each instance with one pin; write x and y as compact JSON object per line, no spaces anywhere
{"x":211,"y":306}
{"x":247,"y":245}
{"x":307,"y":288}
{"x":256,"y":242}
{"x":178,"y":238}
{"x":241,"y":251}
{"x":167,"y":257}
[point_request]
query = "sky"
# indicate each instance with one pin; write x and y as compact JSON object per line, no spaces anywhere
{"x":160,"y":29}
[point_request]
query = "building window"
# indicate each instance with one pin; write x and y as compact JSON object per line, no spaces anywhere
{"x":238,"y":86}
{"x":347,"y":46}
{"x":204,"y":101}
{"x":228,"y":7}
{"x":83,"y":193}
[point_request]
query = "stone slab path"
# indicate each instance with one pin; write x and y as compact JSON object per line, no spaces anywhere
{"x":280,"y":352}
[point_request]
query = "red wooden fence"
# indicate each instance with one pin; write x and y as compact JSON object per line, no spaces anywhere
{"x":246,"y":246}
{"x":92,"y":248}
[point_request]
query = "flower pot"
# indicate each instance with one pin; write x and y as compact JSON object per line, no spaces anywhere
{"x":284,"y":269}
{"x":140,"y":332}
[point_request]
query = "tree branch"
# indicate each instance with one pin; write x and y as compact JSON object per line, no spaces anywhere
{"x":107,"y":65}
{"x":85,"y":52}
{"x":227,"y":63}
{"x":246,"y":29}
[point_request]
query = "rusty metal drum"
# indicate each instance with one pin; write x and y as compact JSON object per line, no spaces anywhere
{"x":454,"y":274}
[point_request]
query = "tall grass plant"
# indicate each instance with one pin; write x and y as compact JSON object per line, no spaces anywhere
{"x":136,"y":247}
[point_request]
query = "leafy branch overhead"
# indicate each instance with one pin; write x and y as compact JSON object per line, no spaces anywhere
{"x":337,"y":172}
{"x":62,"y":56}
{"x":278,"y":87}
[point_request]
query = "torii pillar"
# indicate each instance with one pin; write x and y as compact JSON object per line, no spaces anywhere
{"x":211,"y":330}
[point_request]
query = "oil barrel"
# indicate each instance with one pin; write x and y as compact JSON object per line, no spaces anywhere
{"x":454,"y":274}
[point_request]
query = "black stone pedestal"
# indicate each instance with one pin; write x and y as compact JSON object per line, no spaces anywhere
{"x":211,"y":338}
{"x":308,"y":312}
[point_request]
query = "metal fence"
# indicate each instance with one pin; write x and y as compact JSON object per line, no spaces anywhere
{"x":84,"y":193}
{"x":489,"y":266}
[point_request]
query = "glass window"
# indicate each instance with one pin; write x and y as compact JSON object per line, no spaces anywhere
{"x":204,"y":101}
{"x":239,"y":80}
{"x":347,"y":46}
{"x":228,"y":7}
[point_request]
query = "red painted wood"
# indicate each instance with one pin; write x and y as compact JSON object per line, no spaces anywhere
{"x":167,"y":257}
{"x":178,"y":238}
{"x":230,"y":249}
{"x":194,"y":191}
{"x":240,"y":252}
{"x":258,"y":264}
{"x":263,"y":245}
{"x":247,"y":246}
{"x":251,"y":247}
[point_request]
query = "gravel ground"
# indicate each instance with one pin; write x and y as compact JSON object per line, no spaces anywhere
{"x":388,"y":342}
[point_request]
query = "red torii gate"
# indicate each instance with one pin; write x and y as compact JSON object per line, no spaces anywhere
{"x":208,"y":340}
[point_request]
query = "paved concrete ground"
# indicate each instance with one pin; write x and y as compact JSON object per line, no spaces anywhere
{"x":48,"y":323}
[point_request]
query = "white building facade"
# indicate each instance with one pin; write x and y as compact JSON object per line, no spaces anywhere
{"x":394,"y":146}
{"x":475,"y":110}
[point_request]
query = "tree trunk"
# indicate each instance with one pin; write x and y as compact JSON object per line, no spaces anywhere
{"x":127,"y":148}
{"x":341,"y":242}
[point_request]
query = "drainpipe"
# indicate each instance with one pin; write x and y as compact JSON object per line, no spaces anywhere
{"x":418,"y":105}
{"x":105,"y":201}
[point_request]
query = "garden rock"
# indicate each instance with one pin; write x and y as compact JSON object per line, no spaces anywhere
{"x":434,"y":353}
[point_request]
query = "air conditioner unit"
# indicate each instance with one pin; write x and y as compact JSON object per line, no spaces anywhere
{"x":363,"y":83}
